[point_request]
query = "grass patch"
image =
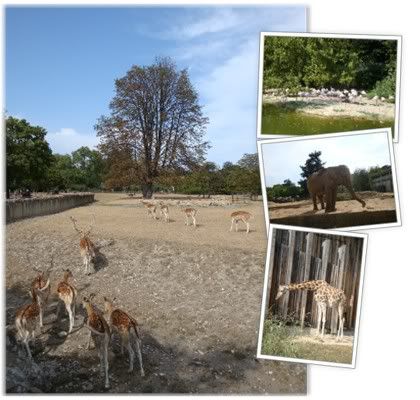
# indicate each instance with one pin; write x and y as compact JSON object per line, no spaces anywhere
{"x":288,"y":341}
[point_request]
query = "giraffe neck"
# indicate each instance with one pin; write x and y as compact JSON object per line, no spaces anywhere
{"x":306,"y":285}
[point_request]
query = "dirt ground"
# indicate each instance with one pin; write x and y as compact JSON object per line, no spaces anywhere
{"x":196,"y":294}
{"x":380,"y":208}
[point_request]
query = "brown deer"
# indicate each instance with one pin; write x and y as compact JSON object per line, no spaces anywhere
{"x":243,"y":216}
{"x":127,"y":327}
{"x":41,"y":287}
{"x":99,"y":332}
{"x":87,"y":248}
{"x":190,"y":213}
{"x":164,"y":210}
{"x":26,"y":320}
{"x":67,"y":293}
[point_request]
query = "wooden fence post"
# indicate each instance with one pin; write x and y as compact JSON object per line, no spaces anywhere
{"x":326,"y":251}
{"x":289,"y":267}
{"x":308,"y":256}
{"x":339,"y":278}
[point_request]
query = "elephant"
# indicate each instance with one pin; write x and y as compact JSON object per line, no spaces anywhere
{"x":325,"y":182}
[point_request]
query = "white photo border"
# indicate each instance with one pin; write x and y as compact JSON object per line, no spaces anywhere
{"x":261,"y":143}
{"x":364,"y":236}
{"x":398,"y":38}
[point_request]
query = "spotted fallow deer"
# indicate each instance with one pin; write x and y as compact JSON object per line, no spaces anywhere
{"x":151,"y":209}
{"x":41,"y":287}
{"x":164,"y":210}
{"x":99,"y":332}
{"x":67,"y":293}
{"x":127,"y":327}
{"x":87,"y":248}
{"x":26,"y":320}
{"x":190,"y":213}
{"x":243,"y":216}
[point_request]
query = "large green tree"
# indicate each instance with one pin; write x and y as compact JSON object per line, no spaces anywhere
{"x":157,"y":119}
{"x":28,"y":155}
{"x":312,"y":164}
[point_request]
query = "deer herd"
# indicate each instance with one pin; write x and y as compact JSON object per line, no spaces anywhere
{"x":102,"y":325}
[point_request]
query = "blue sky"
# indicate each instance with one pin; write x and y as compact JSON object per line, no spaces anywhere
{"x":61,"y":64}
{"x":282,"y":160}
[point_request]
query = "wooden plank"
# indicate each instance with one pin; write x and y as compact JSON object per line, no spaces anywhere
{"x":326,"y":254}
{"x":338,"y":283}
{"x":288,"y":271}
{"x":308,"y":256}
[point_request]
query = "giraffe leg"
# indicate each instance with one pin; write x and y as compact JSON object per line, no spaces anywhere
{"x":324,"y":317}
{"x":340,"y":332}
{"x":318,"y":325}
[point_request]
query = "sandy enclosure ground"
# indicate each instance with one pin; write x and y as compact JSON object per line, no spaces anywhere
{"x":332,"y":107}
{"x":196,"y":294}
{"x":381,"y":202}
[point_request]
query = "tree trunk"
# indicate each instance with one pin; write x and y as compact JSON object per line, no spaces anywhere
{"x":147,"y":189}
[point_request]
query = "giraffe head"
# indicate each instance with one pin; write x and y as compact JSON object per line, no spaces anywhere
{"x":282,"y":290}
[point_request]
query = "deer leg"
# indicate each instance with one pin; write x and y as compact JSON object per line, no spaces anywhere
{"x":194,"y":222}
{"x":247,"y":227}
{"x":28,"y":350}
{"x":236,"y":226}
{"x":40,"y":316}
{"x":105,"y":361}
{"x":69,"y":311}
{"x":231,"y":225}
{"x":58,"y":310}
{"x":89,"y":339}
{"x":186,"y":220}
{"x":131,"y":356}
{"x":139,"y":356}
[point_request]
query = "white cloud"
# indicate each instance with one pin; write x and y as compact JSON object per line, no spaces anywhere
{"x":67,"y":140}
{"x":282,"y":160}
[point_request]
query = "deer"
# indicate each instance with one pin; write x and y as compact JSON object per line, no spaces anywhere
{"x":164,"y":210}
{"x":87,"y":248}
{"x":99,"y":331}
{"x":128,"y":329}
{"x":237,"y":216}
{"x":26,"y":319}
{"x":67,"y":293}
{"x":41,"y":287}
{"x":190,"y":212}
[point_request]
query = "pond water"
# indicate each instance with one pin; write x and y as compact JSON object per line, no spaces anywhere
{"x":277,"y":120}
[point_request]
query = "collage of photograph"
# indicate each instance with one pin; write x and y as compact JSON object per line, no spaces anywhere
{"x":189,"y":193}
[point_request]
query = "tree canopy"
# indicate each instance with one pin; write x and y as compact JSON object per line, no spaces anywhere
{"x":296,"y":62}
{"x":28,"y":155}
{"x":312,"y":164}
{"x":155,"y":121}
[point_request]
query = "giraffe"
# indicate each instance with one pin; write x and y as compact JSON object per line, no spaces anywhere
{"x":325,"y":296}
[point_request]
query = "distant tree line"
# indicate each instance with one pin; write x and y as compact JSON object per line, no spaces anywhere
{"x":297,"y":62}
{"x":30,"y":164}
{"x":362,"y":179}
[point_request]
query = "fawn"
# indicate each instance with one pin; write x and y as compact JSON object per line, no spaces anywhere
{"x":243,"y":216}
{"x":128,"y":329}
{"x":190,"y":213}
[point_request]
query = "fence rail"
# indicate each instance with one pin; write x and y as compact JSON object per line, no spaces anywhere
{"x":299,"y":256}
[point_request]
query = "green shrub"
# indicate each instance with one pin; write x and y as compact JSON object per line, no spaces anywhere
{"x":384,"y":88}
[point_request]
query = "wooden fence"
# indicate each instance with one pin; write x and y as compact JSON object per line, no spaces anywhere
{"x":299,"y":256}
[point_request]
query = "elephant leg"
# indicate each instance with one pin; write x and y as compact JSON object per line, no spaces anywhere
{"x":329,"y":200}
{"x":314,"y":201}
{"x":334,"y":199}
{"x":321,"y":200}
{"x":354,"y":196}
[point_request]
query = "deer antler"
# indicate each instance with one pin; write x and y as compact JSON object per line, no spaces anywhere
{"x":91,"y":225}
{"x":75,"y":227}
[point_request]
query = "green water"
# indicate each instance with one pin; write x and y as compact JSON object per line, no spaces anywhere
{"x":277,"y":120}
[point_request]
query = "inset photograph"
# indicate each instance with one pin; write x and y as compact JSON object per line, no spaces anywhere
{"x":312,"y":296}
{"x":321,"y":83}
{"x":342,"y":180}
